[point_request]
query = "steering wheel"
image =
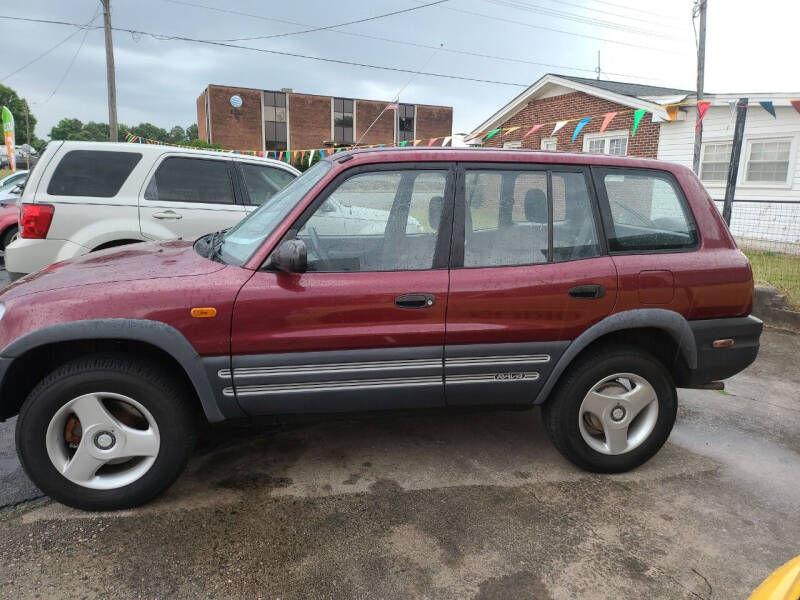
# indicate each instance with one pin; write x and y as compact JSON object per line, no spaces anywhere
{"x":316,"y":245}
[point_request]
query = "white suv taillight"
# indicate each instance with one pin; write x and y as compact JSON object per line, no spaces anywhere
{"x":34,"y":220}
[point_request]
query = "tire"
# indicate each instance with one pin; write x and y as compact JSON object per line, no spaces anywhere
{"x":580,"y":435}
{"x":9,"y":235}
{"x":159,"y":416}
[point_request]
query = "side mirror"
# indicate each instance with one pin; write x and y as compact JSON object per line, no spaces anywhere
{"x":290,"y":257}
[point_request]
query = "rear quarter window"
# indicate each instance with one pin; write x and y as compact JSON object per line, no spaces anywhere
{"x":645,"y":211}
{"x":92,"y":173}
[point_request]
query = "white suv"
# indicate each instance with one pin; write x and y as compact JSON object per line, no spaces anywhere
{"x":87,"y":196}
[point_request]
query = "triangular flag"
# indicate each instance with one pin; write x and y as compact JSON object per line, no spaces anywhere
{"x":607,"y":121}
{"x":416,"y":142}
{"x":769,"y":107}
{"x":321,"y":154}
{"x":637,"y":117}
{"x":302,"y":155}
{"x":796,"y":104}
{"x":533,"y":129}
{"x":702,"y":107}
{"x":432,"y":141}
{"x":510,"y":129}
{"x":558,"y":126}
{"x":672,"y":112}
{"x":446,"y":140}
{"x":403,"y":143}
{"x":581,"y":124}
{"x":493,"y":133}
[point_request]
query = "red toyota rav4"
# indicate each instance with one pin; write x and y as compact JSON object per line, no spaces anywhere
{"x":385,"y":279}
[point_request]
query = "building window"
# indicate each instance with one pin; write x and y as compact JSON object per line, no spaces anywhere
{"x":274,"y":121}
{"x":613,"y":142}
{"x":405,"y":122}
{"x":342,"y":121}
{"x":512,"y":145}
{"x":549,"y":143}
{"x":768,"y":161}
{"x":715,"y":161}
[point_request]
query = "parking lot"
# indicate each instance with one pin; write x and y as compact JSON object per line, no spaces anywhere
{"x":469,"y":505}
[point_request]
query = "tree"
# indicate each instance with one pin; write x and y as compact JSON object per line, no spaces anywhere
{"x":149,"y":131}
{"x":177,"y":135}
{"x":74,"y":129}
{"x":18,"y":106}
{"x":191,"y":132}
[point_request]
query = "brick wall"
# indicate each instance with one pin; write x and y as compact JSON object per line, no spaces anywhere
{"x":202,"y":134}
{"x":577,"y":105}
{"x":433,"y":121}
{"x":309,"y":121}
{"x":382,"y":131}
{"x":235,"y":128}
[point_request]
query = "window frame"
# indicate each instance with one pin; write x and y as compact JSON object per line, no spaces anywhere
{"x":547,"y":140}
{"x":787,"y":183}
{"x":444,"y":235}
{"x":56,"y":165}
{"x":713,"y":182}
{"x":606,"y":136}
{"x":270,"y":96}
{"x":458,"y":236}
{"x":233,"y":179}
{"x":344,"y":113}
{"x":598,"y":174}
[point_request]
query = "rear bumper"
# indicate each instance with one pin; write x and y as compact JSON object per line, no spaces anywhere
{"x":28,"y":256}
{"x":714,"y":364}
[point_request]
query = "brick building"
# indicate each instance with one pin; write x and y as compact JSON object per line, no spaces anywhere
{"x":252,"y":119}
{"x":559,"y":97}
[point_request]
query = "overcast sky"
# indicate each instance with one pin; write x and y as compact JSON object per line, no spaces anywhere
{"x":751,"y":47}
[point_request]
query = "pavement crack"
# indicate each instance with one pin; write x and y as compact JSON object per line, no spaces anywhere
{"x":21,"y":502}
{"x":703,"y":577}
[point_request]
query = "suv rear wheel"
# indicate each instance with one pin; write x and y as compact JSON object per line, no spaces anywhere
{"x":106,"y":432}
{"x":612,"y":410}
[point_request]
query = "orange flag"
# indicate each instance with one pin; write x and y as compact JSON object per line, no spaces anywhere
{"x":702,"y":108}
{"x":672,"y":112}
{"x":607,"y":120}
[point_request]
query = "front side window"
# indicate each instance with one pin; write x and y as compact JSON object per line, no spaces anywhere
{"x":342,"y":121}
{"x":264,"y":182}
{"x":92,"y":173}
{"x":715,"y":162}
{"x":244,"y":238}
{"x":646,"y":212}
{"x":509,"y":216}
{"x":768,"y":161}
{"x":180,"y":179}
{"x":377,"y":221}
{"x":405,"y":122}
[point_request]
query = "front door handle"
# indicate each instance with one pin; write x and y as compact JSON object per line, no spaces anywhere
{"x":588,"y":292}
{"x":167,"y":214}
{"x":415,"y":300}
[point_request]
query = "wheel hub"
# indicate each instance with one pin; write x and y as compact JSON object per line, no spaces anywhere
{"x":104,"y":440}
{"x":617,"y":413}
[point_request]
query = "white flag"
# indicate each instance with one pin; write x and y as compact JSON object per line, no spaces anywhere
{"x":558,"y":126}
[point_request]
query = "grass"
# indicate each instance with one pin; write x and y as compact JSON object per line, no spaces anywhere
{"x":4,"y":173}
{"x":779,"y":270}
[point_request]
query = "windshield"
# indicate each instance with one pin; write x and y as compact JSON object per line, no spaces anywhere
{"x":239,"y":243}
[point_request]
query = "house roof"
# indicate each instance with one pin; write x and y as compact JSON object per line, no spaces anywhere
{"x":635,"y":90}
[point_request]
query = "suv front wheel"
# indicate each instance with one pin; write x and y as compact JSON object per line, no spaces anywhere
{"x":612,"y":410}
{"x":106,"y":432}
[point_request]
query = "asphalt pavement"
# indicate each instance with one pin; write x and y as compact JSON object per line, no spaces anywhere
{"x":474,"y":505}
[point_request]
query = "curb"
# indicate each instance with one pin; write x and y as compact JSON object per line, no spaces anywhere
{"x":771,"y":306}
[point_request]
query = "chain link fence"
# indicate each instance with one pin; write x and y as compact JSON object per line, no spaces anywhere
{"x":769,"y":233}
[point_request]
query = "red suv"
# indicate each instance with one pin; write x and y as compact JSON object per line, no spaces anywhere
{"x":385,"y":279}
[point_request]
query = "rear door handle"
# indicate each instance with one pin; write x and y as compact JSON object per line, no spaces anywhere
{"x":167,"y":214}
{"x":588,"y":292}
{"x":415,"y":300}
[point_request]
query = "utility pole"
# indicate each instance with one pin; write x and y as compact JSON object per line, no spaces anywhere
{"x":736,"y":153}
{"x":110,"y":77}
{"x":700,"y":10}
{"x":27,"y":138}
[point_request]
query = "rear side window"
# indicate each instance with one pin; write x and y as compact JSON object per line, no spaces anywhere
{"x":92,"y":173}
{"x":646,"y":212}
{"x":264,"y":182}
{"x":181,"y":179}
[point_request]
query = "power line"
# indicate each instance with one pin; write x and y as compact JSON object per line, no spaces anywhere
{"x":586,"y":20}
{"x":162,"y":37}
{"x":49,"y":50}
{"x":412,"y":44}
{"x":74,"y":57}
{"x":631,"y":8}
{"x":613,"y":14}
{"x":376,"y":17}
{"x":553,"y":29}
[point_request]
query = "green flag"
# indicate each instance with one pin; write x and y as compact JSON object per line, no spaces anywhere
{"x":637,"y":116}
{"x":493,"y":133}
{"x":8,"y":136}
